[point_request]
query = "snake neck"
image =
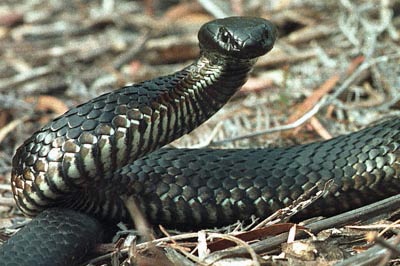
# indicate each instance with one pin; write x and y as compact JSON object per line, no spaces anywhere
{"x":209,"y":83}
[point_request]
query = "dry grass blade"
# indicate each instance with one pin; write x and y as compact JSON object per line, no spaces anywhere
{"x":4,"y":131}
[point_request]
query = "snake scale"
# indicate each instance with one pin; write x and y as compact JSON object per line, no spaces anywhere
{"x":72,"y":172}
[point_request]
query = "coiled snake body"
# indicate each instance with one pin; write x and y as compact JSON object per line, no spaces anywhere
{"x":80,"y":164}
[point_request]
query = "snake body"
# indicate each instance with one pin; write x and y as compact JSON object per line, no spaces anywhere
{"x":84,"y":160}
{"x":190,"y":188}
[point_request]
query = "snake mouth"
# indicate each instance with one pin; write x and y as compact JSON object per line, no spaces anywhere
{"x":238,"y":37}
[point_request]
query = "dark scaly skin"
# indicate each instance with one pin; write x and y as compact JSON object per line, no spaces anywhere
{"x":52,"y":238}
{"x":190,"y":188}
{"x":71,"y":161}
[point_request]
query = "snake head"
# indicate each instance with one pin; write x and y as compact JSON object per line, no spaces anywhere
{"x":238,"y":37}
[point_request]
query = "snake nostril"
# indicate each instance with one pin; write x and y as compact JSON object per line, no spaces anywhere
{"x":266,"y":34}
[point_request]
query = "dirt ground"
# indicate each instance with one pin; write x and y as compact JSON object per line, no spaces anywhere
{"x":334,"y":69}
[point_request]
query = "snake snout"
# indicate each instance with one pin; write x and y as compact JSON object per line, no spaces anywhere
{"x":238,"y":37}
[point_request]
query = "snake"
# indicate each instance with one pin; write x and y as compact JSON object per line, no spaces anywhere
{"x":75,"y":175}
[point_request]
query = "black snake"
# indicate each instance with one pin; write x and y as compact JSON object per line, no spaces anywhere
{"x":73,"y":171}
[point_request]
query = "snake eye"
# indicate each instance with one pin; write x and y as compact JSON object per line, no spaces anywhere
{"x":224,"y":35}
{"x":227,"y":40}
